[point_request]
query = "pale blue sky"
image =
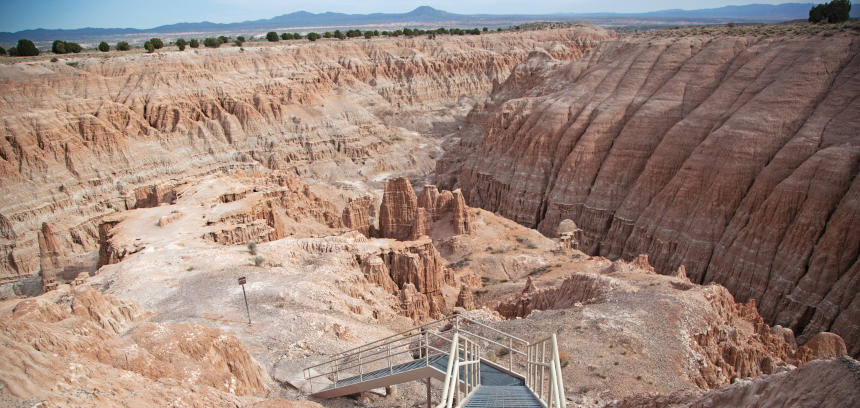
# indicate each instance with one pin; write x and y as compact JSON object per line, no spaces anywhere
{"x":18,"y":15}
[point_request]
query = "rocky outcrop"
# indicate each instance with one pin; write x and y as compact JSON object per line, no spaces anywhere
{"x":420,"y":265}
{"x":578,"y":288}
{"x":822,"y":346}
{"x":465,"y":299}
{"x":825,"y":384}
{"x":80,"y":347}
{"x":405,"y":216}
{"x":262,"y":215}
{"x":109,"y":134}
{"x":397,"y":211}
{"x":357,"y":216}
{"x":735,"y":156}
{"x":415,"y":272}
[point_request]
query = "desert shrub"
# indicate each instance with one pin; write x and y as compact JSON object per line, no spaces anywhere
{"x":58,"y":47}
{"x":2,"y":51}
{"x":194,"y":43}
{"x":104,"y":47}
{"x":297,"y":36}
{"x":286,"y":36}
{"x":313,"y":36}
{"x":502,"y":351}
{"x":25,"y":48}
{"x":156,"y":43}
{"x":54,"y":59}
{"x":368,"y":34}
{"x":272,"y":36}
{"x":223,"y":39}
{"x":122,"y":46}
{"x":835,"y":11}
{"x":564,"y":359}
{"x":211,"y":42}
{"x":258,"y":260}
{"x":73,"y":47}
{"x":353,"y":33}
{"x":241,"y":38}
{"x":149,"y":47}
{"x":180,"y":43}
{"x":328,"y":34}
{"x":238,"y":43}
{"x":252,"y":247}
{"x":339,"y":34}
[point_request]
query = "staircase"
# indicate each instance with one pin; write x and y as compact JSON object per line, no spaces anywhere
{"x":527,"y":375}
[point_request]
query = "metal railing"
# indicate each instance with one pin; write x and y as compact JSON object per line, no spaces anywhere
{"x":465,"y":367}
{"x":425,"y":341}
{"x":538,"y":363}
{"x":543,"y":359}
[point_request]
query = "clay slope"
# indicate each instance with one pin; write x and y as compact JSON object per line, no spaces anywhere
{"x":733,"y":155}
{"x":85,"y":137}
{"x":825,"y":383}
{"x":78,"y":347}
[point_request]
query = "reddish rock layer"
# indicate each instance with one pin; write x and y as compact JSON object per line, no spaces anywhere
{"x":357,"y":215}
{"x":415,"y":272}
{"x":405,"y":216}
{"x":78,"y":347}
{"x":734,"y":156}
{"x":107,"y":134}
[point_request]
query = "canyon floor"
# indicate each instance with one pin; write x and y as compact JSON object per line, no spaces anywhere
{"x":138,"y":189}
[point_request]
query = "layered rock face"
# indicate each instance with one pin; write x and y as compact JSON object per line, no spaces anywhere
{"x":80,"y":347}
{"x":98,"y":135}
{"x":415,"y":272}
{"x":259,"y":208}
{"x":357,"y":215}
{"x":405,"y":216}
{"x":733,"y":156}
{"x":825,"y":384}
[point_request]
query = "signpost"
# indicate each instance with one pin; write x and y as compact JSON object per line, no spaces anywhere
{"x":242,"y":282}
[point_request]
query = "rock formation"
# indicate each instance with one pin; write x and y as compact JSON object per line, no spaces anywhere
{"x":825,"y":384}
{"x":579,"y":288}
{"x":357,"y":215}
{"x":405,"y":216}
{"x":80,"y":347}
{"x":465,"y":298}
{"x":397,"y":212}
{"x":415,"y":272}
{"x":736,"y":156}
{"x":109,"y":134}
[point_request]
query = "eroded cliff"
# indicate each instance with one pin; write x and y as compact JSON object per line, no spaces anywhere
{"x":85,"y":137}
{"x":735,"y":155}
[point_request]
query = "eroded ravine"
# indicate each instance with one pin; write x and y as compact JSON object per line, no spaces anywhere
{"x":86,"y":137}
{"x":735,"y":156}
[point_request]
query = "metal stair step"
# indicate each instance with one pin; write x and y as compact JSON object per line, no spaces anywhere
{"x":510,"y":396}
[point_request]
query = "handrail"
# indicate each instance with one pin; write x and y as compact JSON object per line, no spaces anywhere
{"x":414,"y":340}
{"x":461,"y":334}
{"x":465,"y":355}
{"x":537,"y":362}
{"x":455,"y":318}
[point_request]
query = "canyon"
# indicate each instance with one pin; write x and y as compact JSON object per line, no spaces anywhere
{"x":734,"y":155}
{"x":639,"y":196}
{"x":84,"y":138}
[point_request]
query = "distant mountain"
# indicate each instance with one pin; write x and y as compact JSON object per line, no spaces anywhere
{"x":421,"y":17}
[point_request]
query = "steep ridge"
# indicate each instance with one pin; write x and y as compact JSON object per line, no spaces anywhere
{"x":85,"y":137}
{"x":734,"y":155}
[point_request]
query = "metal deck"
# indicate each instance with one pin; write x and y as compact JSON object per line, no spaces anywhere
{"x":505,"y":396}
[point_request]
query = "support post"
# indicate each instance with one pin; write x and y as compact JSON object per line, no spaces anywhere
{"x":429,"y":398}
{"x":247,"y":310}
{"x":511,"y":354}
